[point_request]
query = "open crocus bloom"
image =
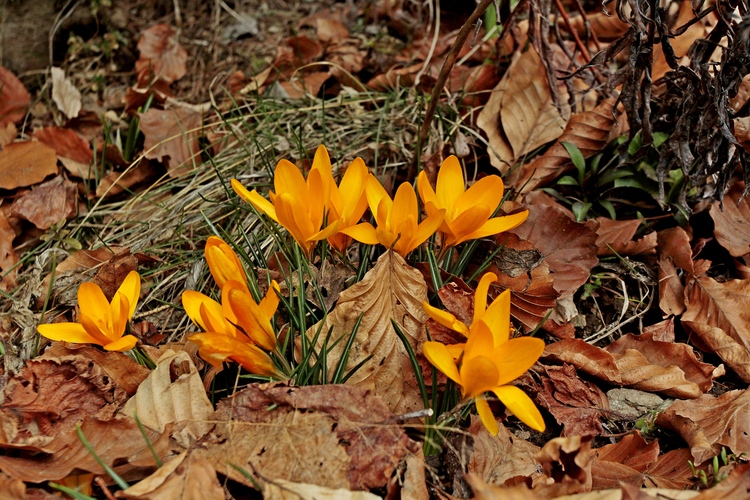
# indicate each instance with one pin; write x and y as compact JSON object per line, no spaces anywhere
{"x":397,"y":219}
{"x":467,"y":212}
{"x":297,"y":204}
{"x":348,"y":202}
{"x":223,"y":262}
{"x":101,"y":322}
{"x":489,"y":360}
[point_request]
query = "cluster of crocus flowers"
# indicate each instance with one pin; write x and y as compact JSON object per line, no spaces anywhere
{"x":490,"y":359}
{"x":238,"y":328}
{"x":101,"y":322}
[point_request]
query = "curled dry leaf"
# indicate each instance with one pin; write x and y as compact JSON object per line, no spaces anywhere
{"x":161,"y":54}
{"x":521,"y":115}
{"x":567,"y":461}
{"x":333,"y":435}
{"x":26,"y":163}
{"x":66,"y":96}
{"x":709,"y":422}
{"x":185,"y":477}
{"x":14,"y":98}
{"x":732,"y":221}
{"x":47,"y":204}
{"x":616,"y":237}
{"x":113,"y":272}
{"x":625,"y":461}
{"x":627,"y":368}
{"x":8,"y":256}
{"x":173,"y":392}
{"x":674,"y":253}
{"x":736,"y":485}
{"x":392,"y":290}
{"x":501,"y":458}
{"x":569,"y":247}
{"x":589,"y":131}
{"x":171,"y":136}
{"x":576,"y":404}
{"x":484,"y":491}
{"x":280,"y":489}
{"x":73,"y":151}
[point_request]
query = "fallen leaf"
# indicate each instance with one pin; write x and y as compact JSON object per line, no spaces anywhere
{"x":26,"y":163}
{"x":306,"y":83}
{"x":171,"y":136}
{"x":484,"y":491}
{"x":48,"y":203}
{"x":521,"y":115}
{"x":115,"y":183}
{"x":498,"y":459}
{"x":414,"y":485}
{"x":66,"y":143}
{"x":185,"y":477}
{"x":14,"y":98}
{"x":7,"y":134}
{"x":625,"y":461}
{"x":280,"y":489}
{"x":173,"y":392}
{"x":627,"y":368}
{"x":65,"y":95}
{"x":732,"y":224}
{"x":604,"y":25}
{"x":333,"y":435}
{"x":670,"y":470}
{"x":709,"y":422}
{"x":681,"y":43}
{"x":567,"y":461}
{"x":392,"y":290}
{"x":674,"y":253}
{"x":8,"y":256}
{"x":11,"y":488}
{"x":330,"y":30}
{"x":590,"y":131}
{"x":736,"y":485}
{"x":569,"y":247}
{"x":161,"y":54}
{"x":576,"y":404}
{"x":615,"y":237}
{"x":113,"y":272}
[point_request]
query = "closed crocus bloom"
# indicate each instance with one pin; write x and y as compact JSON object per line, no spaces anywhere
{"x":207,"y":313}
{"x":254,"y":319}
{"x":398,"y":225}
{"x":297,"y":204}
{"x":101,"y":322}
{"x":223,"y":262}
{"x":467,"y":212}
{"x":218,"y":348}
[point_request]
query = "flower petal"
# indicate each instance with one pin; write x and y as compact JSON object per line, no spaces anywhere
{"x":487,"y":191}
{"x":427,"y":228}
{"x":287,"y":179}
{"x":450,"y":184}
{"x":270,"y":302}
{"x":322,"y":164}
{"x":521,"y":406}
{"x":404,"y":206}
{"x":216,"y":348}
{"x":426,"y":193}
{"x":375,"y":192}
{"x":478,"y":374}
{"x":480,"y":295}
{"x":294,"y":217}
{"x":131,"y":290}
{"x":497,"y":317}
{"x":485,"y":414}
{"x":254,"y":322}
{"x":480,"y":342}
{"x":446,"y":319}
{"x":94,"y":304}
{"x":327,"y":231}
{"x":498,"y":225}
{"x":261,"y":204}
{"x":364,"y":233}
{"x":467,"y":223}
{"x":120,"y":308}
{"x":439,"y":356}
{"x":514,"y":357}
{"x":67,"y":332}
{"x":193,"y":302}
{"x":352,"y":190}
{"x":222,"y":261}
{"x":456,"y":350}
{"x":95,"y":328}
{"x":123,"y":344}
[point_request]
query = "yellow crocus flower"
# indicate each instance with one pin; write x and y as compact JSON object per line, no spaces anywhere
{"x":101,"y":322}
{"x":398,"y":219}
{"x":223,"y":262}
{"x":467,"y":212}
{"x":348,"y":202}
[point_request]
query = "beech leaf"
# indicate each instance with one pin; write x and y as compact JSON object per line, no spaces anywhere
{"x":66,"y":96}
{"x":14,"y":98}
{"x":171,"y":136}
{"x":26,"y":163}
{"x":161,"y":53}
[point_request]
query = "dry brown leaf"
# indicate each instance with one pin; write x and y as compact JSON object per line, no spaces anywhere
{"x":674,"y":252}
{"x":567,"y":461}
{"x":161,"y":54}
{"x":671,"y":470}
{"x":616,"y":237}
{"x":498,"y":459}
{"x":681,"y":43}
{"x":484,"y":491}
{"x":115,"y":183}
{"x":414,"y":484}
{"x":48,"y":203}
{"x":26,"y":163}
{"x":390,"y":290}
{"x":569,"y":247}
{"x":66,"y":143}
{"x":330,"y":30}
{"x":576,"y":404}
{"x":589,"y":131}
{"x":732,"y":225}
{"x":173,"y":392}
{"x":306,"y":83}
{"x":118,"y":442}
{"x":710,"y":422}
{"x":280,"y":489}
{"x":185,"y":477}
{"x":171,"y":136}
{"x":724,"y":306}
{"x":65,"y":95}
{"x":736,"y":485}
{"x":7,"y":134}
{"x":627,"y":368}
{"x":605,"y":26}
{"x":521,"y":115}
{"x":11,"y":488}
{"x":334,"y":435}
{"x":8,"y":256}
{"x":113,"y":272}
{"x":14,"y":99}
{"x":625,"y":461}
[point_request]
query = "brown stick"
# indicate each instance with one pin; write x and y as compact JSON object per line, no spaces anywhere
{"x":450,"y":60}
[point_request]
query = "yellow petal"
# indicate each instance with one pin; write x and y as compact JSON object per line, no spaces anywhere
{"x":254,"y":322}
{"x":193,"y":301}
{"x":216,"y":348}
{"x":404,"y":206}
{"x":67,"y":332}
{"x":439,"y":356}
{"x":445,"y":318}
{"x":120,"y":308}
{"x":287,"y":179}
{"x":123,"y":344}
{"x":514,"y":357}
{"x":450,"y":184}
{"x":478,"y":374}
{"x":322,"y":164}
{"x":270,"y":302}
{"x":131,"y":290}
{"x":480,"y":342}
{"x":456,"y":350}
{"x":364,"y":233}
{"x":295,"y":219}
{"x":315,"y":205}
{"x":497,"y":317}
{"x":352,"y":188}
{"x":261,"y":204}
{"x":480,"y":295}
{"x":327,"y":232}
{"x":406,"y":230}
{"x":222,"y":261}
{"x":466,"y":224}
{"x":427,"y":228}
{"x":498,"y":225}
{"x":95,"y":305}
{"x":95,"y":328}
{"x":521,"y":406}
{"x":388,"y":238}
{"x":426,"y":193}
{"x":485,"y":414}
{"x":375,"y":193}
{"x":487,"y":191}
